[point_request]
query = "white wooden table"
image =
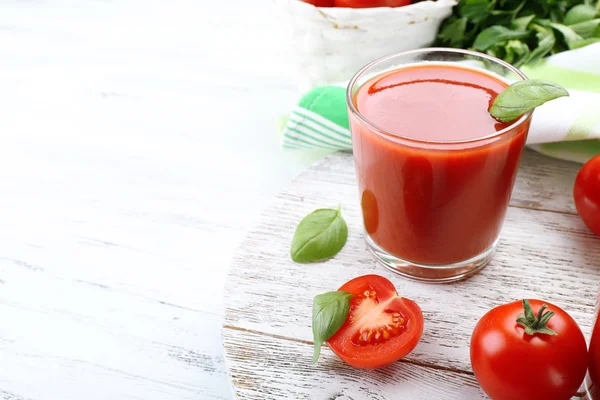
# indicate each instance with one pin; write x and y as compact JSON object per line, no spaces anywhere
{"x":137,"y":146}
{"x":545,"y":252}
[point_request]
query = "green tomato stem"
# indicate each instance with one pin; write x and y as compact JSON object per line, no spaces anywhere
{"x":535,"y":324}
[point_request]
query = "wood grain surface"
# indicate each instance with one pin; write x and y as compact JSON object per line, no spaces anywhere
{"x":545,"y":252}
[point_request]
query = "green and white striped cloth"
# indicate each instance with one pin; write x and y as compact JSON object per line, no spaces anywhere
{"x":566,"y":128}
{"x":319,"y":121}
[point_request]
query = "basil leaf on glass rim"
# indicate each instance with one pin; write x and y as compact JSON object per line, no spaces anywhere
{"x":330,"y":311}
{"x":524,"y":96}
{"x":320,"y":235}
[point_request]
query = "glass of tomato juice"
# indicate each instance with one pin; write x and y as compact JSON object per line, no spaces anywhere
{"x":435,"y":170}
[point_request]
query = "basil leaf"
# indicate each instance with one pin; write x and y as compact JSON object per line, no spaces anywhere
{"x":320,"y":235}
{"x":586,"y":29}
{"x":496,"y":34}
{"x":330,"y":311}
{"x":580,"y":13}
{"x":524,"y":96}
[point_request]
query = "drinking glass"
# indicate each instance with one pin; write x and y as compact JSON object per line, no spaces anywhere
{"x":434,"y":210}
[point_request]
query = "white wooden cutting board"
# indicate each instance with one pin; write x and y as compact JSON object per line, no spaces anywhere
{"x":545,"y":252}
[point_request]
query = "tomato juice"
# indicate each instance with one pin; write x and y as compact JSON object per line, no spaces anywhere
{"x":435,"y":170}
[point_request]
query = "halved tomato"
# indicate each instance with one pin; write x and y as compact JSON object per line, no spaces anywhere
{"x":381,"y":326}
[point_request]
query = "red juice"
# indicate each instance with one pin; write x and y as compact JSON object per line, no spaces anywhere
{"x":435,"y":176}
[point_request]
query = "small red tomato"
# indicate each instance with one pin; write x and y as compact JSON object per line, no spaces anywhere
{"x":381,"y":327}
{"x":587,"y":194}
{"x":371,"y":3}
{"x":320,"y":3}
{"x":519,"y":351}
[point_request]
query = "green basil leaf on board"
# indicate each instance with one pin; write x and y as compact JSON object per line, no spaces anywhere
{"x":320,"y":235}
{"x":330,"y":311}
{"x":523,"y":96}
{"x":580,"y":13}
{"x":495,"y":34}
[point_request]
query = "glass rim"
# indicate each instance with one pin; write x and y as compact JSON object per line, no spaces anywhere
{"x":390,"y":135}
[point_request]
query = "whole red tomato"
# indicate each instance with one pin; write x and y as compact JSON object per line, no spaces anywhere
{"x":543,"y":356}
{"x":320,"y":3}
{"x":587,"y":194}
{"x":381,"y":326}
{"x":370,"y":3}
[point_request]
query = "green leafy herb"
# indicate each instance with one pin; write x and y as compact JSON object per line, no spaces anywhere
{"x":580,"y":13}
{"x":524,"y":96}
{"x":586,"y":29}
{"x":541,"y":27}
{"x":546,"y":43}
{"x":521,"y":24}
{"x":569,"y":34}
{"x":516,"y":52}
{"x":496,"y":34}
{"x":320,"y":235}
{"x":453,"y":32}
{"x":330,"y":310}
{"x":584,"y":42}
{"x":475,"y":10}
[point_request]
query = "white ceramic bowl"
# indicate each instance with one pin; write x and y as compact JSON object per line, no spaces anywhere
{"x":328,"y":45}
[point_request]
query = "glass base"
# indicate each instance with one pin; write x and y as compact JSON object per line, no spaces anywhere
{"x":431,"y":273}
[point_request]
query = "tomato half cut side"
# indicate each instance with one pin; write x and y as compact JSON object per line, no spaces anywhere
{"x":381,"y":327}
